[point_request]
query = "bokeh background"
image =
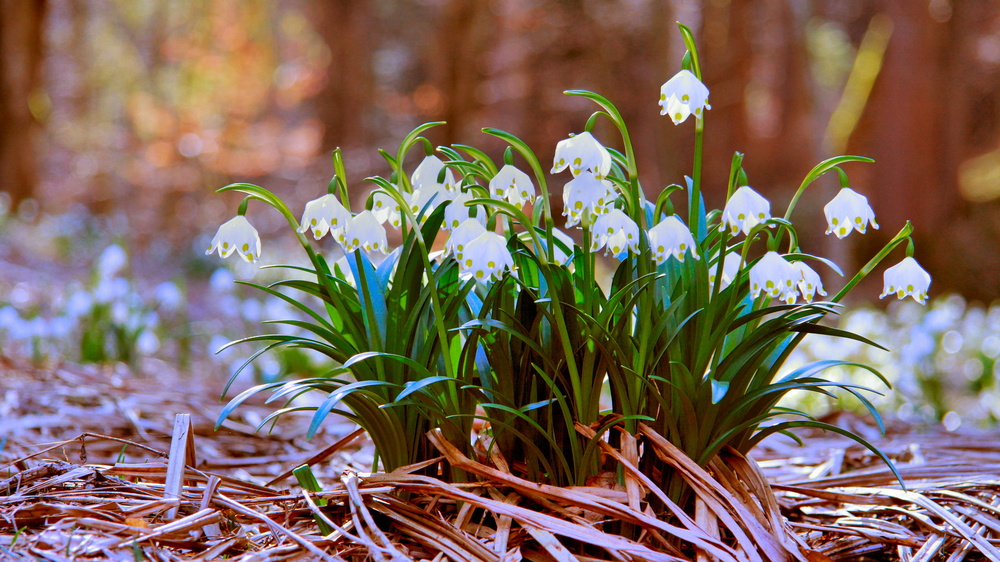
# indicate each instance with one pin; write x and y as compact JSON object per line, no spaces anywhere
{"x":119,"y":119}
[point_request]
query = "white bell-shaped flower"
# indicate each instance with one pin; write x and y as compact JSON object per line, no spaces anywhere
{"x":582,"y":153}
{"x":586,"y":197}
{"x":745,"y":210}
{"x":671,"y":237}
{"x":810,"y":284}
{"x":683,"y":95}
{"x":485,"y":257}
{"x":436,"y":195}
{"x":513,"y":185}
{"x":615,"y":232}
{"x":730,"y":268}
{"x":776,"y":277}
{"x":466,"y":232}
{"x":324,"y":214}
{"x":237,"y":234}
{"x":906,"y":278}
{"x":427,"y":172}
{"x":458,"y":212}
{"x":366,"y":232}
{"x":848,"y":211}
{"x":385,"y":208}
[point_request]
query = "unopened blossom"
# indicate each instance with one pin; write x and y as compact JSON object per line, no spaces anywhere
{"x":810,"y":283}
{"x":466,"y":232}
{"x":582,"y":153}
{"x":237,"y":234}
{"x":848,"y":211}
{"x":745,"y":210}
{"x":776,"y":277}
{"x":586,"y":196}
{"x":671,"y":237}
{"x":458,"y":212}
{"x":730,"y":267}
{"x":366,"y":232}
{"x":485,"y":257}
{"x":324,"y":214}
{"x":683,"y":95}
{"x":614,"y":231}
{"x":906,"y":278}
{"x":513,"y":185}
{"x":385,"y":208}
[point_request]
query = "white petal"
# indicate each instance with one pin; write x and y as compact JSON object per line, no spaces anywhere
{"x":906,"y":278}
{"x":745,"y":210}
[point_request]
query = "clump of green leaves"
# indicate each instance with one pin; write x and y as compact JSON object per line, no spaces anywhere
{"x":509,"y":323}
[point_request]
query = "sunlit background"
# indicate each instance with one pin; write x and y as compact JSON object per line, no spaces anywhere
{"x":119,"y":119}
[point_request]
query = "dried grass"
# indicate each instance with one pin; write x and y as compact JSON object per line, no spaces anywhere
{"x":76,"y":499}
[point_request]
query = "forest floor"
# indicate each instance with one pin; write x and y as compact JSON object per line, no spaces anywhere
{"x":85,"y":454}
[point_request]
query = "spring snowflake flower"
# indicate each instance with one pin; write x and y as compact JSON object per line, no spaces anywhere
{"x":671,"y":237}
{"x":907,"y":278}
{"x":587,"y":197}
{"x":485,"y":257}
{"x":237,"y":234}
{"x":323,"y":215}
{"x":582,"y":153}
{"x":810,"y":284}
{"x":458,"y":212}
{"x":614,"y":231}
{"x":385,"y":208}
{"x":427,"y":172}
{"x":683,"y":95}
{"x":776,"y":277}
{"x":745,"y":210}
{"x":465,"y":233}
{"x":849,"y":210}
{"x":513,"y":185}
{"x":366,"y":232}
{"x":730,"y":267}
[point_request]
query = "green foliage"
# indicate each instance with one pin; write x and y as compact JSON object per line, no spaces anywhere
{"x":518,"y":332}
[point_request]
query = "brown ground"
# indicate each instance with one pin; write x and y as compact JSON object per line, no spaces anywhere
{"x":85,"y":456}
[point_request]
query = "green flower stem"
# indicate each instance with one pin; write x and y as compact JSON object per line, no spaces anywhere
{"x":903,"y":235}
{"x":341,"y":178}
{"x":820,"y":169}
{"x":694,"y":201}
{"x":425,"y":256}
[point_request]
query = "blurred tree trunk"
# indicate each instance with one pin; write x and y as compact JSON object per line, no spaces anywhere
{"x":461,"y":45}
{"x":20,"y":63}
{"x":346,"y":27}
